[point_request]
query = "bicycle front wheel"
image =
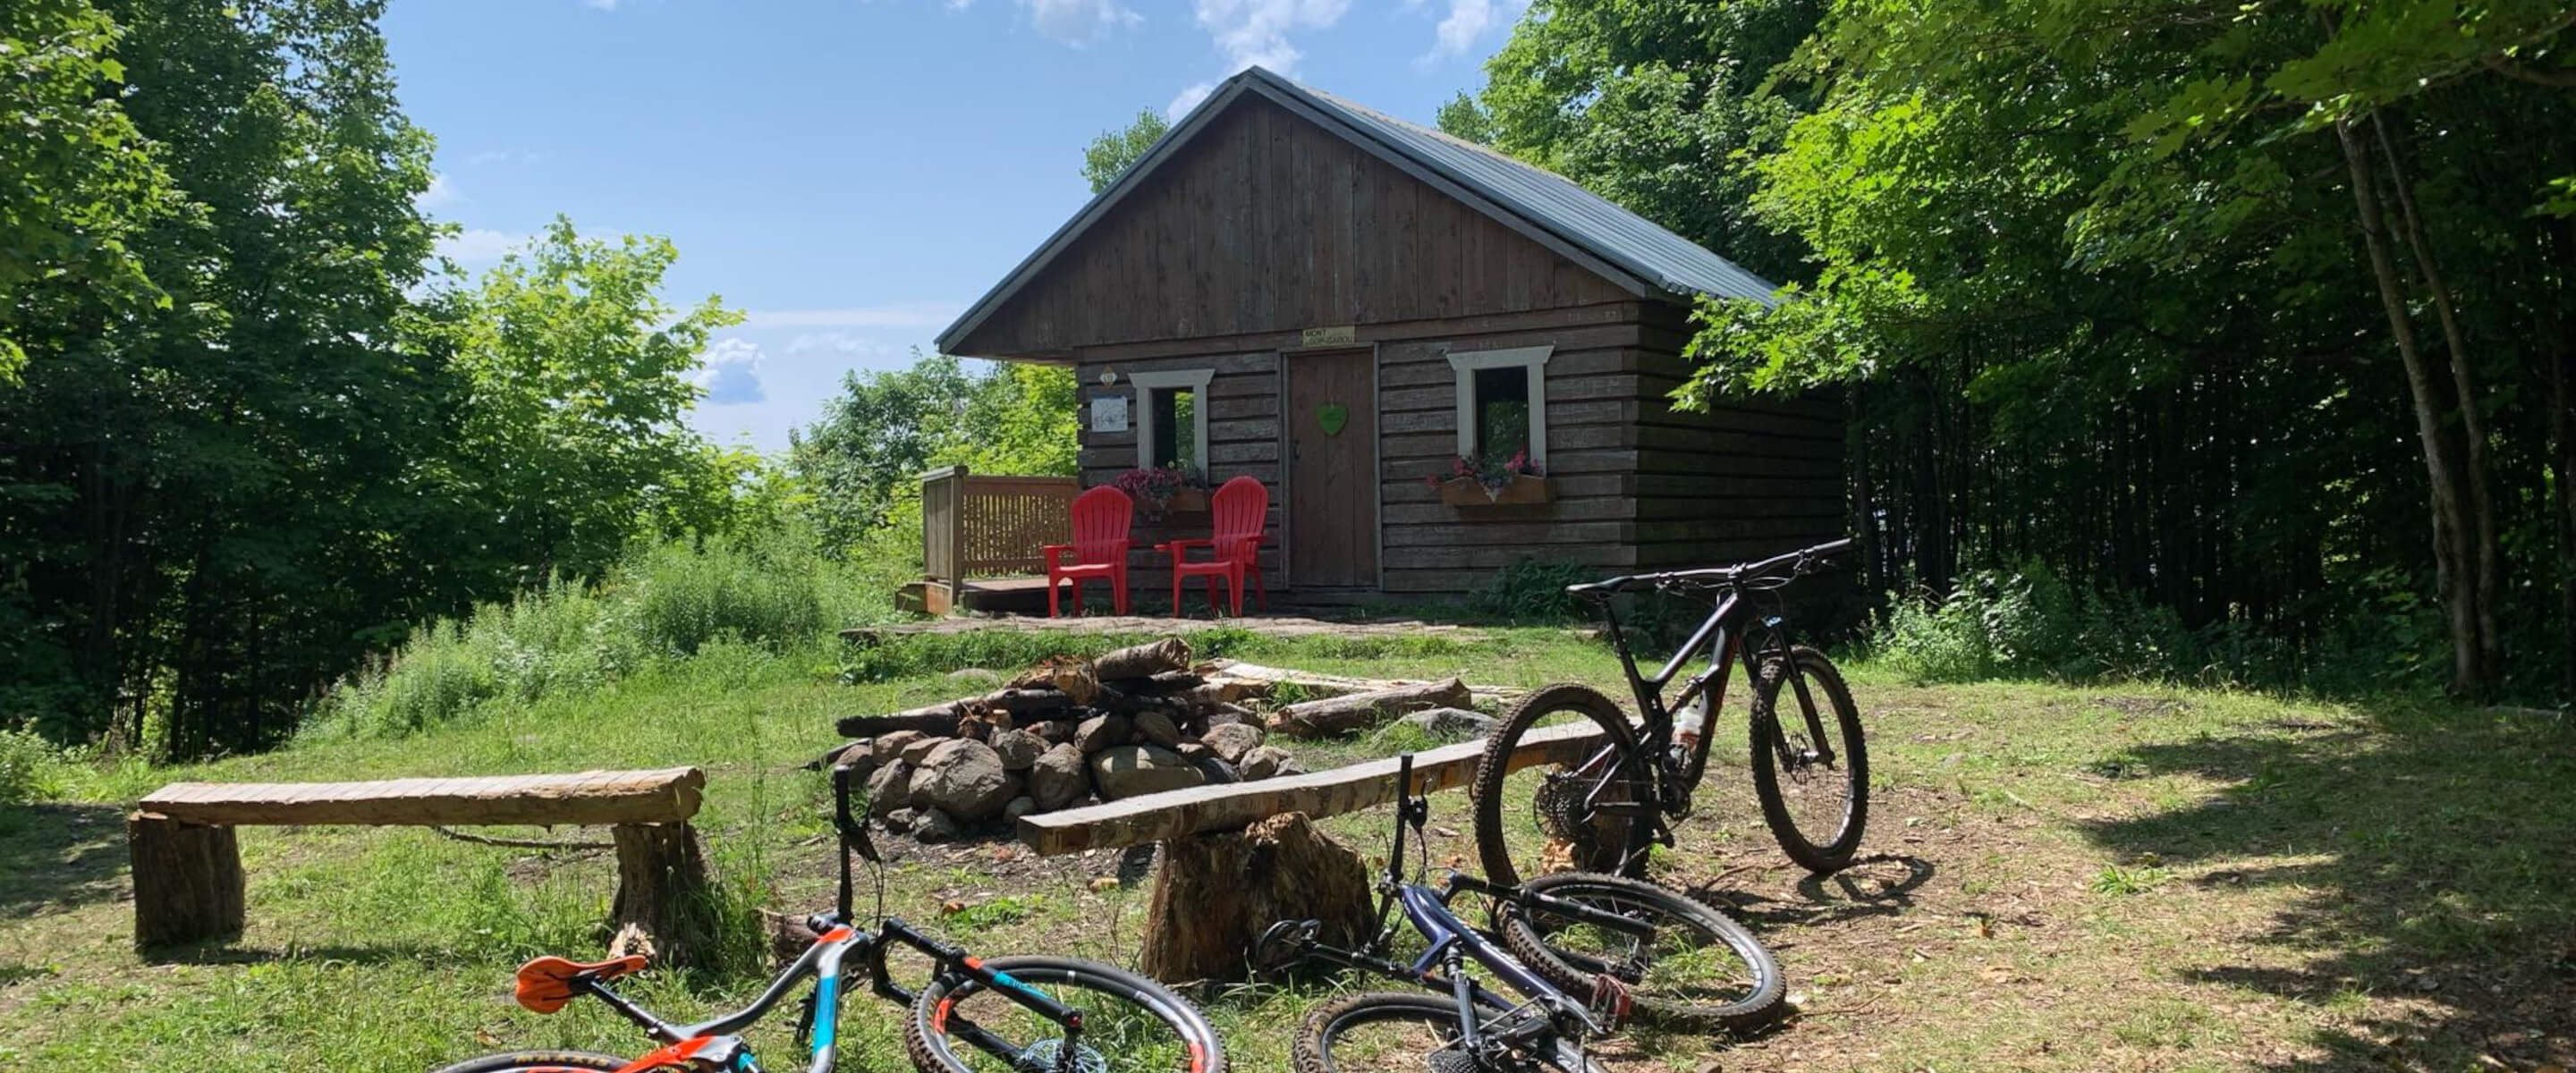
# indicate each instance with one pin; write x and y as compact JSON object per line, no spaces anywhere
{"x":1400,"y":1032}
{"x":1129,"y":1024}
{"x":1593,"y":811}
{"x":1683,"y":964}
{"x":1810,"y":766}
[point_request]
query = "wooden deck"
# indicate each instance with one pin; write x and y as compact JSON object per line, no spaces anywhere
{"x":985,"y":595}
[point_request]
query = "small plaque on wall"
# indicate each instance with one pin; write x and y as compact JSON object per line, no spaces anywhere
{"x":1336,"y":335}
{"x":1109,"y":413}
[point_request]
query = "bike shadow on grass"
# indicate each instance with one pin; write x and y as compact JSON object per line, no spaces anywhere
{"x":1874,"y":885}
{"x":61,"y":857}
{"x":2423,"y":852}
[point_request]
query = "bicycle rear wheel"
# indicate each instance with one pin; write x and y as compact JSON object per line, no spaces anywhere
{"x":1129,"y":1024}
{"x":1401,"y":1032}
{"x":1696,"y":969}
{"x":1810,"y":766}
{"x":1594,"y":814}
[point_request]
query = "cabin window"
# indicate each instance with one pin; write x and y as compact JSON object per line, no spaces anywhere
{"x":1502,"y":402}
{"x":1171,"y":418}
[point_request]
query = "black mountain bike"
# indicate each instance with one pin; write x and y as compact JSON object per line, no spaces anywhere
{"x":1810,"y":767}
{"x":1585,"y":952}
{"x":1003,"y":1015}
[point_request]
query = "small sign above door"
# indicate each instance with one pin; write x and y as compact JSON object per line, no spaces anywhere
{"x":1336,"y":335}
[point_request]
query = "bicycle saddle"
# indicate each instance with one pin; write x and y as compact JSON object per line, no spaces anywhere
{"x":546,"y":983}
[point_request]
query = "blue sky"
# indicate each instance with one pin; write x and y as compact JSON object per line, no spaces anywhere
{"x":851,"y":174}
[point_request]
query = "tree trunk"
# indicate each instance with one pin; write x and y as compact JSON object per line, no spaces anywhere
{"x":187,"y":880}
{"x":2484,"y":553}
{"x":1216,"y":894}
{"x":2455,"y":579}
{"x":663,"y":893}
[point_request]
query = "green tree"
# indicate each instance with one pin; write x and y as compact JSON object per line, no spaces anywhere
{"x":2126,"y":234}
{"x":1110,"y":154}
{"x":77,"y":182}
{"x":576,"y":375}
{"x":865,"y":457}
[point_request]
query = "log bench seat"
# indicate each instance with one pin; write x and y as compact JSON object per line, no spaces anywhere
{"x":1239,"y":856}
{"x":188,"y":883}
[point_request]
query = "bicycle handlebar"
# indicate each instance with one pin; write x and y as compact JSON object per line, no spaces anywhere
{"x":1800,"y":561}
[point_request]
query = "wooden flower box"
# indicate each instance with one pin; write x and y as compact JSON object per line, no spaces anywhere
{"x":1187,"y":501}
{"x":1469,"y":492}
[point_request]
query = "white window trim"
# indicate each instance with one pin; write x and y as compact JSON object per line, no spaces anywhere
{"x":1533,"y":359}
{"x":1146,"y":383}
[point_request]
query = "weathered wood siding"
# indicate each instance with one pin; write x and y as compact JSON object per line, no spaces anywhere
{"x":1265,"y":222}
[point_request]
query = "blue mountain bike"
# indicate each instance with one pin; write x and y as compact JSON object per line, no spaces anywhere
{"x":1582,"y":952}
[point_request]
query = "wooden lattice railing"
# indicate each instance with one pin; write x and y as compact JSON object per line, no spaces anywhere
{"x":979,"y":525}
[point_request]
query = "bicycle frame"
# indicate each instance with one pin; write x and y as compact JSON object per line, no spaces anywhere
{"x":1722,"y":637}
{"x":718,"y":1041}
{"x":1453,"y":942}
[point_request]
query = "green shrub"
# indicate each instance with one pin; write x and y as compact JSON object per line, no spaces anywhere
{"x":689,"y":596}
{"x":1532,"y":590}
{"x":2027,"y":623}
{"x":30,"y":769}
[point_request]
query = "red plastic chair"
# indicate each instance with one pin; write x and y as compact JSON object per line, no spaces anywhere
{"x":1101,"y":518}
{"x":1239,"y":509}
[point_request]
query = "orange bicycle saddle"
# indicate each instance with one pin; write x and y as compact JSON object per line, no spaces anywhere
{"x":546,"y":983}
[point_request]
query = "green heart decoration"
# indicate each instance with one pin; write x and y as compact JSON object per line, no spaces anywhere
{"x":1332,"y":417}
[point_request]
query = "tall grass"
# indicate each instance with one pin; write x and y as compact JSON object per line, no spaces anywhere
{"x":2026,"y":623}
{"x":662,"y":603}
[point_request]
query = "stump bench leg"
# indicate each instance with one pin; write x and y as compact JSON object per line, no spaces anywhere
{"x":187,"y":880}
{"x":663,"y":892}
{"x":1216,"y":893}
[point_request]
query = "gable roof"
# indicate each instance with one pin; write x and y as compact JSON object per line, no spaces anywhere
{"x":1539,"y":203}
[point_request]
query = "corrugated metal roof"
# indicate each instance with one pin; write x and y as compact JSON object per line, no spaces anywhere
{"x":1552,"y":201}
{"x":1534,"y":200}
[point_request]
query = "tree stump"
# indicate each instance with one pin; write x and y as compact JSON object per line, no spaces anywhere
{"x":1216,"y":893}
{"x":187,"y":880}
{"x":663,"y":893}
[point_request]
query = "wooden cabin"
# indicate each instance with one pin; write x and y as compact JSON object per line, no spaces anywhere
{"x":1342,"y":304}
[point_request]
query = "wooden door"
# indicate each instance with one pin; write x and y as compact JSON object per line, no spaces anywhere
{"x":1331,"y":419}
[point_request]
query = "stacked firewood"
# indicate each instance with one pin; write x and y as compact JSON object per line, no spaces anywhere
{"x":1065,"y":733}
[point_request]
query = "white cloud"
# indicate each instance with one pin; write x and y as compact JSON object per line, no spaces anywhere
{"x":896,"y":315}
{"x":440,"y":192}
{"x":1188,"y":98}
{"x":1078,"y":22}
{"x":1255,"y":32}
{"x":839,"y":343}
{"x":1468,"y":21}
{"x":479,"y":246}
{"x":603,"y":5}
{"x":731,"y":373}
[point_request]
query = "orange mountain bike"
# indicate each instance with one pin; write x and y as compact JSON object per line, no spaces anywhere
{"x":1030,"y":1014}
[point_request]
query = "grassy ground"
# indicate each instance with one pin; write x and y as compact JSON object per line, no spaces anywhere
{"x":2069,"y":878}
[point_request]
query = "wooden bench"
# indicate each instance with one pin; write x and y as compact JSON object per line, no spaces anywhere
{"x":187,"y":867}
{"x":1239,"y":856}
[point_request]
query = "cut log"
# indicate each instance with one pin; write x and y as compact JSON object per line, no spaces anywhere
{"x":1025,"y":701}
{"x":1174,"y":813}
{"x":665,"y":796}
{"x":1360,"y":711}
{"x":662,"y":892}
{"x":187,"y":880}
{"x":938,"y":719}
{"x":1241,"y":674}
{"x":1143,"y":661}
{"x":1216,"y":893}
